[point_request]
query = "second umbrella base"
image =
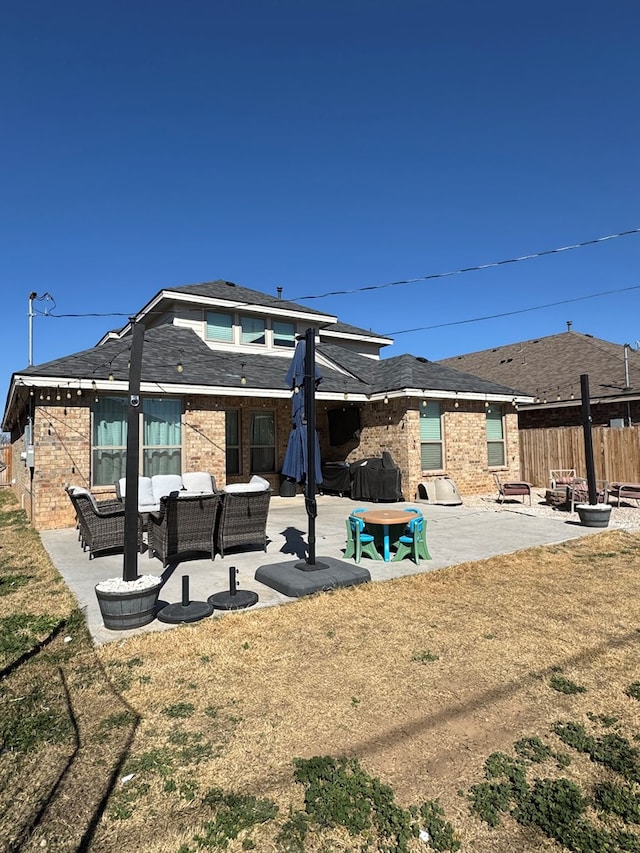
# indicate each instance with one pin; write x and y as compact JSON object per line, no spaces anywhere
{"x":191,"y":612}
{"x":233,"y":601}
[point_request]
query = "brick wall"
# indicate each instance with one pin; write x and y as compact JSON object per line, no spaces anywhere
{"x":62,"y":432}
{"x":395,"y":427}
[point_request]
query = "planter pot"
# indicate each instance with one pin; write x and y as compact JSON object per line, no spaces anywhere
{"x":594,"y":515}
{"x":123,"y":609}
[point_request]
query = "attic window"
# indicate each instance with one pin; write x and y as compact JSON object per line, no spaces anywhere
{"x":284,"y":334}
{"x":219,"y":327}
{"x":253,"y":330}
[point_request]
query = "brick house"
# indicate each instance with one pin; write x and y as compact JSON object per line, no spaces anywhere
{"x":214,"y":398}
{"x":549,"y":369}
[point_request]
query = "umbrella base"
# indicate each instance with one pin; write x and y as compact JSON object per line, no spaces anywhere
{"x":233,"y":600}
{"x":191,"y":612}
{"x":297,"y":579}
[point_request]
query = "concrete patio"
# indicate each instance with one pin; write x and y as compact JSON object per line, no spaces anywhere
{"x":455,"y":534}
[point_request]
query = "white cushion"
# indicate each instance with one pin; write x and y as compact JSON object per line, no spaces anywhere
{"x":198,"y":482}
{"x":145,"y":490}
{"x":164,"y":484}
{"x":259,"y":483}
{"x":79,"y":490}
{"x":255,"y":484}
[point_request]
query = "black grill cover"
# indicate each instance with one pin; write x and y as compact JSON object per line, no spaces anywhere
{"x":376,"y":480}
{"x":336,"y":477}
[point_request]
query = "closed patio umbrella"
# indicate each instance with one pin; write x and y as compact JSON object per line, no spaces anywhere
{"x":304,"y":578}
{"x":295,"y":464}
{"x":302,"y":457}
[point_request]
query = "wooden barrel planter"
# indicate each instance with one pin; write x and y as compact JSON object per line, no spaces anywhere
{"x":122,"y":610}
{"x":594,"y":515}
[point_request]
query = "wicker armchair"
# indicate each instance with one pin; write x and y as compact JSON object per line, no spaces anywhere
{"x":100,"y":523}
{"x":243,"y":520}
{"x":184,"y":526}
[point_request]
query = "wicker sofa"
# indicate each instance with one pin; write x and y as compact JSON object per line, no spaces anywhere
{"x":151,"y":489}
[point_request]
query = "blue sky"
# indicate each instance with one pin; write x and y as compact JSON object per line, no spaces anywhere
{"x":320,"y":147}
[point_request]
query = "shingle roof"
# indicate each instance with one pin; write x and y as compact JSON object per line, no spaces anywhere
{"x":220,"y":289}
{"x":409,"y":371}
{"x":166,"y":346}
{"x":551,"y":366}
{"x":345,"y":328}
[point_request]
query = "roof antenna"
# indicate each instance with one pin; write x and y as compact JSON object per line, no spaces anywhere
{"x":279,"y":290}
{"x":569,"y":325}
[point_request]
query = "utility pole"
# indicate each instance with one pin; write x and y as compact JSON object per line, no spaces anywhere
{"x":33,"y":295}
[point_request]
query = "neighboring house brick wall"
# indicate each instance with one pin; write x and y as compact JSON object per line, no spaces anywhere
{"x":601,"y":415}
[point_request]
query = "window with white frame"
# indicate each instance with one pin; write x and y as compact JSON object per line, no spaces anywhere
{"x":284,"y":334}
{"x":109,"y":440}
{"x":262,"y":442}
{"x":431,"y":455}
{"x":495,"y":436}
{"x":219,"y":327}
{"x":161,"y":436}
{"x":232,"y":441}
{"x":160,"y":440}
{"x":252,"y":330}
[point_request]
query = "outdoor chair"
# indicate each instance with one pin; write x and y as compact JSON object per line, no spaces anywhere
{"x":359,"y":542}
{"x":100,"y":523}
{"x":243,"y":519}
{"x":625,"y":491}
{"x":512,"y":489}
{"x":413,"y":541}
{"x":185,"y":525}
{"x":560,"y":477}
{"x":578,"y":492}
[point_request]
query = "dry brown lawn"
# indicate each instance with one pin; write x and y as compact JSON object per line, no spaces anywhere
{"x":420,"y":679}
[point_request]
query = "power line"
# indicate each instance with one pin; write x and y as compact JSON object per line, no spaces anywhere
{"x":511,"y":313}
{"x":471,"y":269}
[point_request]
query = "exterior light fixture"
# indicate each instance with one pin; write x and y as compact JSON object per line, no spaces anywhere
{"x":58,"y":397}
{"x":457,"y":402}
{"x":179,"y":367}
{"x":386,"y":399}
{"x":243,"y":378}
{"x":110,"y":377}
{"x":68,"y":394}
{"x":79,"y":391}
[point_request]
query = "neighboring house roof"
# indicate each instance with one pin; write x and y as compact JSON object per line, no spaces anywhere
{"x":549,"y":368}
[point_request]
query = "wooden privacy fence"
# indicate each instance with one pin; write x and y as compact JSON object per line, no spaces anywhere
{"x":616,"y":453}
{"x":5,"y":464}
